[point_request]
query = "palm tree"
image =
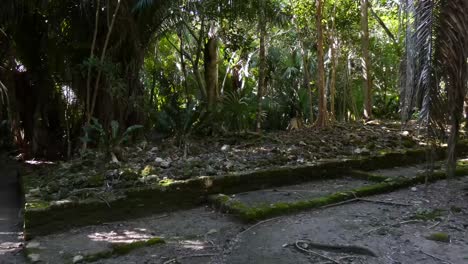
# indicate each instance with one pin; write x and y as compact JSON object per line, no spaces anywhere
{"x":440,"y":64}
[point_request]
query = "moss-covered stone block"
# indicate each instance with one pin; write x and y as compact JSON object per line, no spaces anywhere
{"x":256,"y":213}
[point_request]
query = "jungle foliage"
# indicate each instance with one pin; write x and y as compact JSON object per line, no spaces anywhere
{"x":211,"y":67}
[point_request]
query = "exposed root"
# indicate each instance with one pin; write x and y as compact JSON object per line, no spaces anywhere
{"x":313,"y":252}
{"x":349,"y":249}
{"x":435,"y":257}
{"x":383,"y":202}
{"x":365,"y":200}
{"x":175,"y":260}
{"x":257,"y":224}
{"x":393,"y":225}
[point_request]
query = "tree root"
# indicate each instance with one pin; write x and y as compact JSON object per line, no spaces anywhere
{"x":435,"y":257}
{"x":313,"y":252}
{"x":349,"y":249}
{"x":365,"y":200}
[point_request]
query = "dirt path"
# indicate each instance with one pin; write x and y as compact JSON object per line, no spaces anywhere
{"x":10,"y":222}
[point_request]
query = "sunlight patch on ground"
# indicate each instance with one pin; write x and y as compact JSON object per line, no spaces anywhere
{"x":194,"y":244}
{"x":10,"y":233}
{"x":6,"y":247}
{"x":126,"y":236}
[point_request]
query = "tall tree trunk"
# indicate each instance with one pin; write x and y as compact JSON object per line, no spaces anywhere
{"x":91,"y":56}
{"x":408,"y":65}
{"x":366,"y":65}
{"x":333,"y":47}
{"x":153,"y":84}
{"x":262,"y":66}
{"x":183,"y":66}
{"x":306,"y":77}
{"x":322,"y":119}
{"x":211,"y":67}
{"x":154,"y":73}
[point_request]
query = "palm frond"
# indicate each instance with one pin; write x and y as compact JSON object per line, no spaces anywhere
{"x":3,"y":94}
{"x":440,"y":67}
{"x":452,"y":55}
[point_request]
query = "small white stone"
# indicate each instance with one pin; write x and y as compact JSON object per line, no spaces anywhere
{"x":414,"y":189}
{"x":225,"y":148}
{"x":154,"y":149}
{"x":61,"y":202}
{"x":212,"y":231}
{"x":165,"y":164}
{"x":34,"y":258}
{"x":77,"y":258}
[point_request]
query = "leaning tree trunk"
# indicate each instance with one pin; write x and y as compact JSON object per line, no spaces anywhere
{"x":322,"y":119}
{"x":366,"y":65}
{"x":211,"y":68}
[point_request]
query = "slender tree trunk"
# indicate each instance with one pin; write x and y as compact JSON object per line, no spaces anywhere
{"x":408,"y":66}
{"x":91,"y":56}
{"x":322,"y":119}
{"x":333,"y":47}
{"x":183,"y":65}
{"x":153,"y":84}
{"x":196,"y":62}
{"x":88,"y":79}
{"x":154,"y":74}
{"x":262,"y":67}
{"x":305,"y":66}
{"x":211,"y":67}
{"x":103,"y":56}
{"x":366,"y":65}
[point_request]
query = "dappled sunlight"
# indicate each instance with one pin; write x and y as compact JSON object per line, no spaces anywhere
{"x":39,"y":162}
{"x":125,"y":236}
{"x":194,"y":244}
{"x":9,"y":242}
{"x":8,"y":247}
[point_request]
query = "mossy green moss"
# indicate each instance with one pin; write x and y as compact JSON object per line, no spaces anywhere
{"x":37,"y":205}
{"x":148,"y":170}
{"x":166,"y":182}
{"x":439,"y":237}
{"x":122,"y":249}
